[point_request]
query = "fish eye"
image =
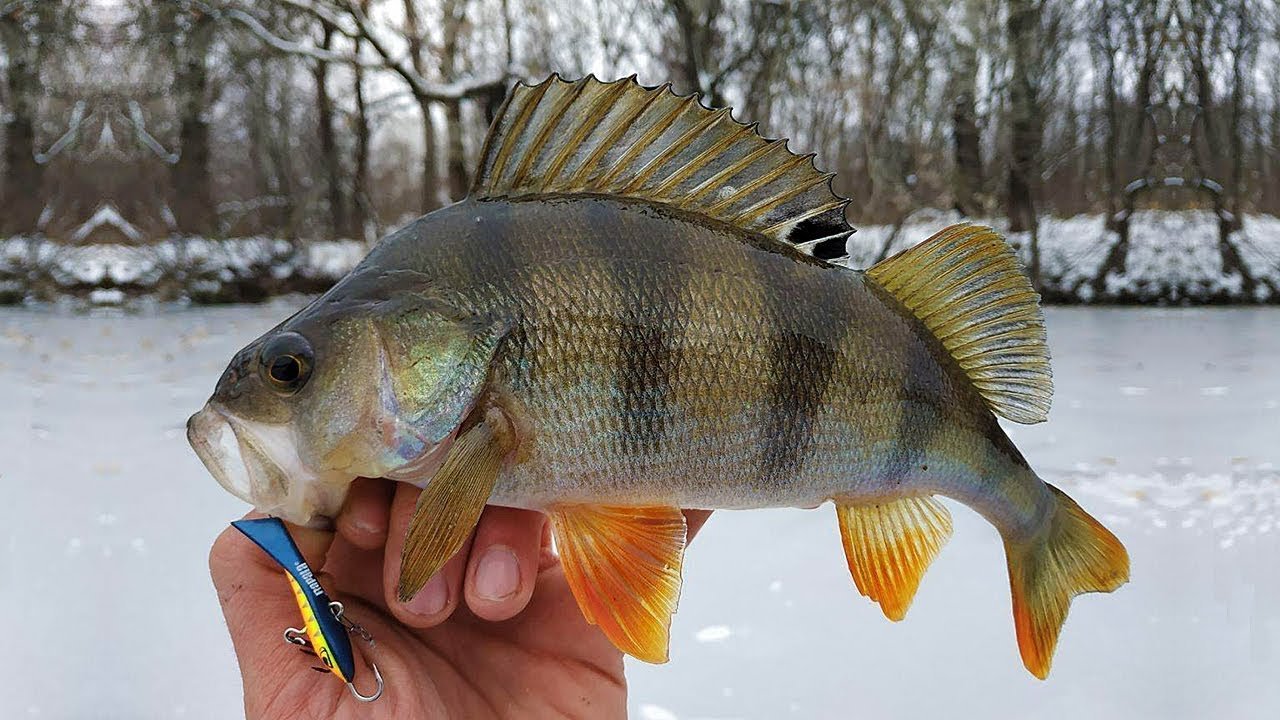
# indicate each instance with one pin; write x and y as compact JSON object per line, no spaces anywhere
{"x":285,"y":362}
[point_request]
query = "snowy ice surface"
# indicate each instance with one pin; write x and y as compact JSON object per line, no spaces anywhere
{"x":108,"y":517}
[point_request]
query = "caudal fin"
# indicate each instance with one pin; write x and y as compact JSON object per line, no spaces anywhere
{"x":1075,"y":554}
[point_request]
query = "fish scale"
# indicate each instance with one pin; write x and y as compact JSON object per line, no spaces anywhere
{"x":633,"y":313}
{"x":755,"y":361}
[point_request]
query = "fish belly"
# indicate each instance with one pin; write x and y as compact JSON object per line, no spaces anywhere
{"x":725,"y":466}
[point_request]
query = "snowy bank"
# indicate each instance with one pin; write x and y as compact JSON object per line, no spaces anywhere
{"x":195,"y":269}
{"x":1173,"y":258}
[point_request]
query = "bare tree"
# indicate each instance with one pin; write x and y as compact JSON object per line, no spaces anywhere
{"x":456,"y":170}
{"x":362,"y":209}
{"x":192,"y":199}
{"x":1024,"y":117}
{"x":328,"y":141}
{"x":966,"y":136}
{"x":1221,"y":33}
{"x":27,"y":37}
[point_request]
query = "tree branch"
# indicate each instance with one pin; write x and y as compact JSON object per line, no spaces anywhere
{"x":323,"y":14}
{"x":288,"y":47}
{"x":422,"y":90}
{"x":146,"y":139}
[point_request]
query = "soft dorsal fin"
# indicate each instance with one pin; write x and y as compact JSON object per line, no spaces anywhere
{"x":965,"y":285}
{"x":622,"y":139}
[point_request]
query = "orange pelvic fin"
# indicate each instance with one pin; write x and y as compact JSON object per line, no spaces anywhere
{"x":1074,"y":555}
{"x":623,"y":566}
{"x":890,"y":544}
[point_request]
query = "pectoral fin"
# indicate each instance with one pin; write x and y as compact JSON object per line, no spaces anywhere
{"x":449,"y":507}
{"x":623,"y":566}
{"x":890,"y":544}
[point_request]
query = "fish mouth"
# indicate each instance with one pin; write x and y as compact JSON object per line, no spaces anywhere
{"x":259,"y":464}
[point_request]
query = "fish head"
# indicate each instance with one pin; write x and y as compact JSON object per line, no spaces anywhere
{"x":371,"y":389}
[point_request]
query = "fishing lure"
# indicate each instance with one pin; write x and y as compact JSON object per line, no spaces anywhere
{"x":325,"y":625}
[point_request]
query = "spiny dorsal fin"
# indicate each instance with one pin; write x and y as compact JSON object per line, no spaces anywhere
{"x":622,"y":139}
{"x":965,"y":285}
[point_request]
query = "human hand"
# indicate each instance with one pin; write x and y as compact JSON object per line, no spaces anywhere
{"x":495,"y":634}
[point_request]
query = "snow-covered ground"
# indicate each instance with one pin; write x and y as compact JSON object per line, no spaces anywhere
{"x":1173,"y":256}
{"x":1173,"y":259}
{"x":1166,"y":425}
{"x":204,"y":271}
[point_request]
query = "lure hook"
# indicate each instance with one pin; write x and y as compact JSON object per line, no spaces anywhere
{"x":376,"y":693}
{"x":296,"y":636}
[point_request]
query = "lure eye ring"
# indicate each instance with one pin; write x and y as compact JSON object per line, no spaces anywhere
{"x":285,"y":362}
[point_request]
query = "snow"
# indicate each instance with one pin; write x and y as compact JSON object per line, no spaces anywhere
{"x":1173,"y":255}
{"x":1173,"y":259}
{"x":1189,"y":480}
{"x":106,"y":215}
{"x":191,"y":268}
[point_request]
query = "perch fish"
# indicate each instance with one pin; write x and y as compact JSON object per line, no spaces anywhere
{"x":636,"y":310}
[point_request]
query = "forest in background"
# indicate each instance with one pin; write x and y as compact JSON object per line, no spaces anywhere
{"x":137,"y":122}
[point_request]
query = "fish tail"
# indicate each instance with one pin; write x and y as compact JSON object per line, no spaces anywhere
{"x":1072,"y":554}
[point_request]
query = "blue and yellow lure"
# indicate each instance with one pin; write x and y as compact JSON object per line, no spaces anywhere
{"x":325,"y":628}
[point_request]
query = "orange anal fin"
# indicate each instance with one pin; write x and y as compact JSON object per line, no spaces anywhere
{"x":623,"y":566}
{"x":890,"y":544}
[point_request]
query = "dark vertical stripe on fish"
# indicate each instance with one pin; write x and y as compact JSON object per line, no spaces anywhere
{"x":650,"y":287}
{"x":495,"y":252}
{"x":804,"y":348}
{"x":919,"y":423}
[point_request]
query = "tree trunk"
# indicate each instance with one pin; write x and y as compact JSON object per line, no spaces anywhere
{"x":1231,"y":216}
{"x":22,"y":178}
{"x":966,"y":137}
{"x":430,"y":176}
{"x":455,"y":14}
{"x":457,"y":165}
{"x":1111,"y":154}
{"x":21,"y":187}
{"x":687,"y":25}
{"x":328,"y":141}
{"x":192,"y":206}
{"x":695,"y":22}
{"x":1024,"y":124}
{"x":361,"y":206}
{"x":1272,"y":159}
{"x":1117,"y":256}
{"x":417,"y":50}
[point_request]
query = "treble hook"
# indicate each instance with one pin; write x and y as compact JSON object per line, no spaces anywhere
{"x":296,"y":636}
{"x":376,"y":694}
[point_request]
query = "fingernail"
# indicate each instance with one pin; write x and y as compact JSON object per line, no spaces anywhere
{"x":430,"y":599}
{"x":498,"y":575}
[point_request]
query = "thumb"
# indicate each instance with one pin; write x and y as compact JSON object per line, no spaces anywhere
{"x":258,"y":605}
